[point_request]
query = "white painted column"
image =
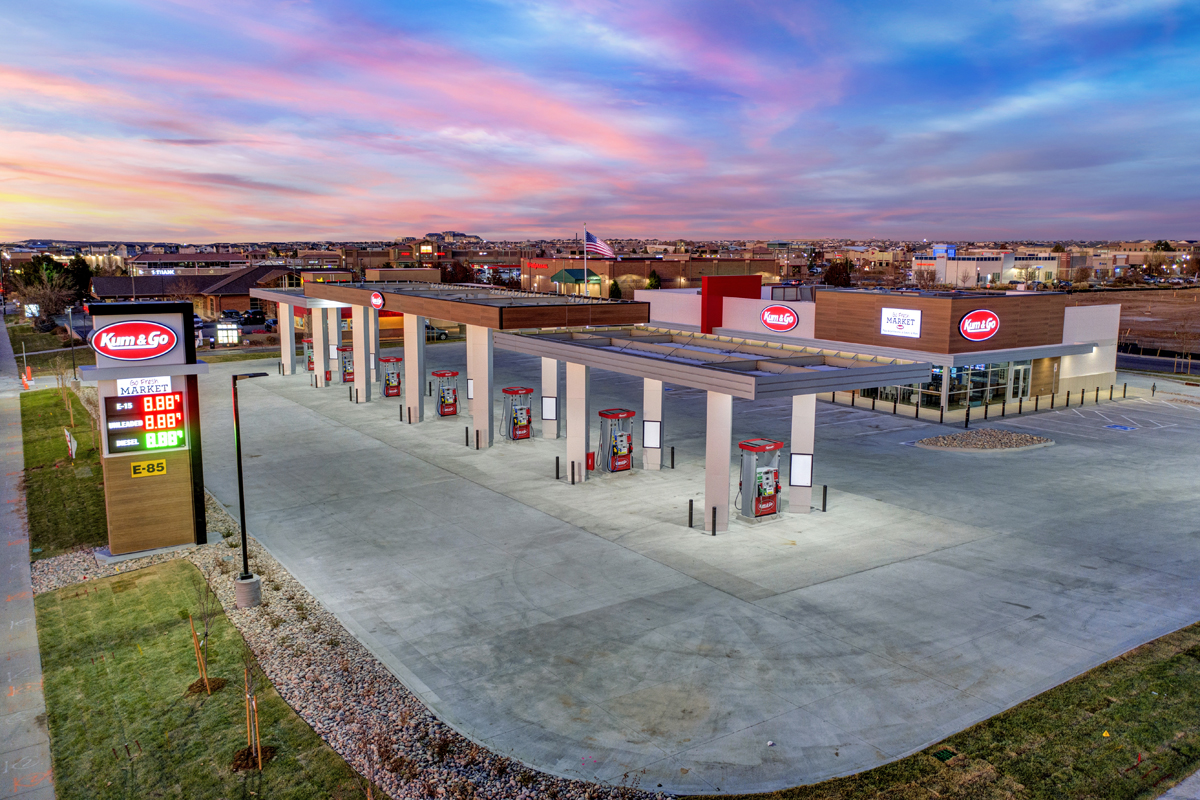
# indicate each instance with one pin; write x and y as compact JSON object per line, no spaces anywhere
{"x":320,"y":337}
{"x":946,"y":386}
{"x":479,"y":372}
{"x":578,"y":419}
{"x":333,"y":320}
{"x":414,"y":368}
{"x":373,"y":339}
{"x":287,"y":338}
{"x":652,"y":395}
{"x":1008,"y":385}
{"x":550,"y":389}
{"x":718,"y":444}
{"x":804,"y":423}
{"x":362,"y":355}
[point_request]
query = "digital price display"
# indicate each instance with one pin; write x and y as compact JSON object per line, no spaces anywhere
{"x":145,"y":422}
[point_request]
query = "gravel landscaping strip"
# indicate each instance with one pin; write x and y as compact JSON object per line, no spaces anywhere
{"x":985,"y":439}
{"x":334,"y":683}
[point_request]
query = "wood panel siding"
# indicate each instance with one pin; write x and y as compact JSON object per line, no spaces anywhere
{"x":153,"y":511}
{"x":1043,"y":376}
{"x":1025,"y":321}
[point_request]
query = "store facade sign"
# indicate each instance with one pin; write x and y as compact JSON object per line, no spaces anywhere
{"x":780,"y":319}
{"x":134,"y":340}
{"x":376,"y":300}
{"x":904,"y":322}
{"x":979,"y":325}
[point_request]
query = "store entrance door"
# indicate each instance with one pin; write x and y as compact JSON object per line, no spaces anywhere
{"x":1020,"y":384}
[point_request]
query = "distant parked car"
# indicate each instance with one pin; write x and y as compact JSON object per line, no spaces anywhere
{"x":272,"y":324}
{"x":254,"y":318}
{"x":435,"y":333}
{"x":197,"y":321}
{"x":230,"y":313}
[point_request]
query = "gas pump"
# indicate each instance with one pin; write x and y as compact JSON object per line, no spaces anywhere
{"x":518,"y":416}
{"x":391,"y":375}
{"x":447,"y":396}
{"x":346,"y":362}
{"x":759,"y":485}
{"x":308,"y":355}
{"x":616,"y":440}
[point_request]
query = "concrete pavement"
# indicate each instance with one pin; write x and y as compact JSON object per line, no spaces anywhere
{"x":24,"y":740}
{"x":587,"y":631}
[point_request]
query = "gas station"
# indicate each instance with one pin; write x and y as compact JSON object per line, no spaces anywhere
{"x":544,"y":593}
{"x":583,"y":333}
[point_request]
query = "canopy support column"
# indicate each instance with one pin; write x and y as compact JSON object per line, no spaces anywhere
{"x":578,"y":419}
{"x":414,"y":368}
{"x":652,"y":395}
{"x":479,"y":373}
{"x":362,"y":356}
{"x":320,"y":335}
{"x":718,"y":445}
{"x":550,"y":389}
{"x":287,"y":338}
{"x":804,"y":420}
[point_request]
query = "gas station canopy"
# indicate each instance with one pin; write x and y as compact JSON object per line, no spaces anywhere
{"x":485,"y":306}
{"x":737,"y":366}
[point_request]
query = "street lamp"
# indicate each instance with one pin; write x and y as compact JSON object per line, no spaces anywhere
{"x":248,"y":591}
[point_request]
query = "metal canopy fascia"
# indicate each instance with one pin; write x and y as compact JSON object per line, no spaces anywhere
{"x":936,"y":359}
{"x":729,"y":376}
{"x":294,"y":298}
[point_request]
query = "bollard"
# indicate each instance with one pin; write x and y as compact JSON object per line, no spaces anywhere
{"x":895,"y":402}
{"x":1020,"y":405}
{"x":1110,"y":391}
{"x":672,"y":456}
{"x":941,"y":415}
{"x":350,"y":394}
{"x":824,"y":497}
{"x":985,"y":410}
{"x":1036,"y":400}
{"x":690,"y":502}
{"x":1068,"y":399}
{"x":714,"y":527}
{"x":556,"y":473}
{"x":967,"y":418}
{"x":572,"y":473}
{"x":1052,"y":400}
{"x":917,"y":409}
{"x":1124,"y":389}
{"x":467,"y":436}
{"x":431,"y":388}
{"x":872,"y":403}
{"x":476,"y":438}
{"x":1003,"y":403}
{"x":852,"y":393}
{"x":1153,"y":389}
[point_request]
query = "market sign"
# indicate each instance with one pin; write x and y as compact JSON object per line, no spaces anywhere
{"x":780,"y":319}
{"x":900,"y":322}
{"x":376,"y":300}
{"x":134,"y":340}
{"x":979,"y":325}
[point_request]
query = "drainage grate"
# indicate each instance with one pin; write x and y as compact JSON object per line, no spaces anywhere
{"x":944,"y":755}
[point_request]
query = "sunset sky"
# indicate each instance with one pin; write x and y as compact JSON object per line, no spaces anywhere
{"x":226,"y":120}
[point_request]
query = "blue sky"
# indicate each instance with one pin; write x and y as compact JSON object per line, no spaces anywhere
{"x":235,"y":120}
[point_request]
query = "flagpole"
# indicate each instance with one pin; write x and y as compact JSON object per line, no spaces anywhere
{"x":585,"y":275}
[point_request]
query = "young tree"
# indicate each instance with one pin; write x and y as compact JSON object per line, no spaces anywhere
{"x":1081,"y":275}
{"x":614,"y":291}
{"x":924,"y":278}
{"x":79,"y":273}
{"x":653,"y":281}
{"x":50,"y":294}
{"x":1058,"y":248}
{"x":1162,"y":246}
{"x":838,"y":274}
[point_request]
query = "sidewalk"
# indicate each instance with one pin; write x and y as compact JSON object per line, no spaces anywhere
{"x":24,"y":739}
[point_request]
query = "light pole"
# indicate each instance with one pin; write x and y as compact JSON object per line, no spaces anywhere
{"x":248,"y":591}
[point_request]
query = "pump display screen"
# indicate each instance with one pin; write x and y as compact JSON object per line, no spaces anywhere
{"x":145,"y":422}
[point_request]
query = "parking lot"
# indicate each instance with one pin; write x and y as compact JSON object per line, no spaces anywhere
{"x":589,"y":632}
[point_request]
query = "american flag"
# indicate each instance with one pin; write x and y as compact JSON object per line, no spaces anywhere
{"x":598,"y":246}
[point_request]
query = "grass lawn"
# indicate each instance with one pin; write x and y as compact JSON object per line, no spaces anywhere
{"x":65,"y":503}
{"x":117,"y":660}
{"x":34,"y":341}
{"x":1053,"y":746}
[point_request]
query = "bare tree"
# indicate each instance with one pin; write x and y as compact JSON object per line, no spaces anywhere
{"x":50,"y":294}
{"x":925,"y":278}
{"x":208,"y":606}
{"x":1081,"y":275}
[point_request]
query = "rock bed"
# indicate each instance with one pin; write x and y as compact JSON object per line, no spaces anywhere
{"x":349,"y":698}
{"x":985,"y":439}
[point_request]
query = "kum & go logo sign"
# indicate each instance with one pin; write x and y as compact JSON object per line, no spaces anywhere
{"x":134,"y":340}
{"x":780,"y":319}
{"x":979,"y":325}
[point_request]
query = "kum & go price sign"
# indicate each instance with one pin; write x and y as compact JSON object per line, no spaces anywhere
{"x":145,"y":422}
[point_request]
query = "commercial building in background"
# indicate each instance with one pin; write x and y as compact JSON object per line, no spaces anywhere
{"x":985,"y":348}
{"x":987,"y":268}
{"x":570,"y":276}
